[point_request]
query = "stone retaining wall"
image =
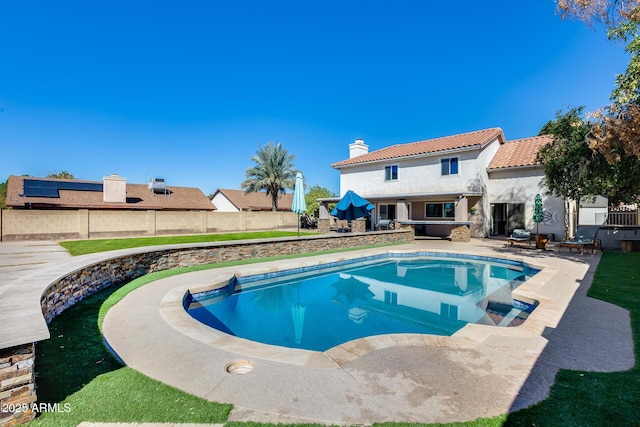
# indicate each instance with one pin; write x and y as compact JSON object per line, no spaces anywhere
{"x":16,"y":363}
{"x":17,"y":393}
{"x":75,"y":286}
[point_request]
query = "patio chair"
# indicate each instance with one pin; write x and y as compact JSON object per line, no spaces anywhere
{"x":384,"y":224}
{"x":520,"y":236}
{"x":585,"y":237}
{"x":343,"y":226}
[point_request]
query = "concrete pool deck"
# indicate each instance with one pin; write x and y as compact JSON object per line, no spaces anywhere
{"x":478,"y":372}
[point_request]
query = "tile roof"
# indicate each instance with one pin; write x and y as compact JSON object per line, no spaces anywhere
{"x":256,"y":201}
{"x":464,"y":140}
{"x":138,"y":197}
{"x":519,"y":152}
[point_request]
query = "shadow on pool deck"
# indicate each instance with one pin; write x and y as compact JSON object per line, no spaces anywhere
{"x":593,"y":335}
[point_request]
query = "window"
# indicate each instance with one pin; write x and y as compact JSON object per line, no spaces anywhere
{"x":449,"y":166}
{"x":387,"y":211}
{"x":440,"y":210}
{"x":390,"y":172}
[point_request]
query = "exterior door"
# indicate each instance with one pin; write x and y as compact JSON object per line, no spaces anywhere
{"x":505,"y":217}
{"x":387,"y":211}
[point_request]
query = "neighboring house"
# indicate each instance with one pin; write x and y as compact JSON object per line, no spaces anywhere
{"x":476,"y":177}
{"x":596,"y":211}
{"x":113,"y":193}
{"x":237,"y":200}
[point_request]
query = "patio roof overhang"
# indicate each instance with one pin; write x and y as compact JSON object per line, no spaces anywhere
{"x":411,"y":196}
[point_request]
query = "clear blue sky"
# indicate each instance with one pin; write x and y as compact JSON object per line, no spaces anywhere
{"x":188,"y":90}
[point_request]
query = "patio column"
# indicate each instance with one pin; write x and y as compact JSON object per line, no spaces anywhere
{"x":402,"y":210}
{"x":324,"y":210}
{"x":462,"y":209}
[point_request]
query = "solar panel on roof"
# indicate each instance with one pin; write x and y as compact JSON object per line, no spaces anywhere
{"x":41,"y":192}
{"x":42,"y":188}
{"x":80,"y":186}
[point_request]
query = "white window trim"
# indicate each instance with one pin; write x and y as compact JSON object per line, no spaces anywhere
{"x":443,"y":210}
{"x":449,"y":158}
{"x":391,"y":172}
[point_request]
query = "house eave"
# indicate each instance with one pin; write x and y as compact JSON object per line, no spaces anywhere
{"x":413,"y":156}
{"x":410,"y":196}
{"x":516,"y":168}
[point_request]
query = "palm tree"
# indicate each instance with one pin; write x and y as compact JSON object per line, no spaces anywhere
{"x":273,"y":172}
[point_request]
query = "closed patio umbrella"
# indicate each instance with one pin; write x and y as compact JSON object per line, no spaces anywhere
{"x":352,"y":206}
{"x":298,"y":205}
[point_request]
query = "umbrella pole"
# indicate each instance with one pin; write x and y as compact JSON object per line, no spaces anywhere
{"x":298,"y":225}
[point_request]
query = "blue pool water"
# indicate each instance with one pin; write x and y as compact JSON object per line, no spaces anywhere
{"x":319,"y":309}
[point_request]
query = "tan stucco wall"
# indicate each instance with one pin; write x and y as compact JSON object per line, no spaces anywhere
{"x":83,"y":224}
{"x":42,"y":224}
{"x":117,"y":223}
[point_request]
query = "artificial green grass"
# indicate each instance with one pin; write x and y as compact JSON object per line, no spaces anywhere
{"x":576,"y":399}
{"x":82,"y":247}
{"x":75,"y":370}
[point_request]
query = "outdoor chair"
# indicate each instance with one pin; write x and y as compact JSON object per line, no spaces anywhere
{"x":520,"y":236}
{"x":343,"y":226}
{"x":384,"y":224}
{"x":585,"y":237}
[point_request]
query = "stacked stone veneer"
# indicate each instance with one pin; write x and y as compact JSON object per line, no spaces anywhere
{"x":17,"y":394}
{"x":83,"y":282}
{"x":460,"y":233}
{"x":16,"y":363}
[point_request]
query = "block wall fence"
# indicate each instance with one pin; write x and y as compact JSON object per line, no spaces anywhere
{"x":18,"y":224}
{"x":17,"y":380}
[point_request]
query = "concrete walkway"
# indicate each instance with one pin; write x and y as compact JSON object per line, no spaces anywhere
{"x":481,"y":371}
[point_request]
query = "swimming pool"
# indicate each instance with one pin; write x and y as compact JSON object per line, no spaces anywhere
{"x":320,"y":307}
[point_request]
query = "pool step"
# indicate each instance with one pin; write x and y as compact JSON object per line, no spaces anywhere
{"x":510,"y":316}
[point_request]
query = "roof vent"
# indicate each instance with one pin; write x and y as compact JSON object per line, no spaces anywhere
{"x":157,"y":186}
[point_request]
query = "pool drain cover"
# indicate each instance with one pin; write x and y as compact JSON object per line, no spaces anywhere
{"x":239,"y":367}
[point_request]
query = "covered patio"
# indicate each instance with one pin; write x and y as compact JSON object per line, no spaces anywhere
{"x":449,"y":215}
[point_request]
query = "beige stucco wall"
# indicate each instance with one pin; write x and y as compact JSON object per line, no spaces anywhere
{"x":83,"y":224}
{"x":42,"y":224}
{"x":175,"y":222}
{"x":118,"y":223}
{"x":247,"y":220}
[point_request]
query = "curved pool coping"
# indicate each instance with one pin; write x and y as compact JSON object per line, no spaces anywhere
{"x":479,"y":372}
{"x":172,"y":310}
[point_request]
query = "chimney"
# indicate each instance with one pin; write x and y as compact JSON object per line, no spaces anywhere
{"x":114,"y":189}
{"x":358,"y":148}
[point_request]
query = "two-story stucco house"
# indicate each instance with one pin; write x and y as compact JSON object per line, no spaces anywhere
{"x":478,"y":178}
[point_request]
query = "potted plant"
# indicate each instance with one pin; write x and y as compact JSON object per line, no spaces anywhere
{"x":538,"y":217}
